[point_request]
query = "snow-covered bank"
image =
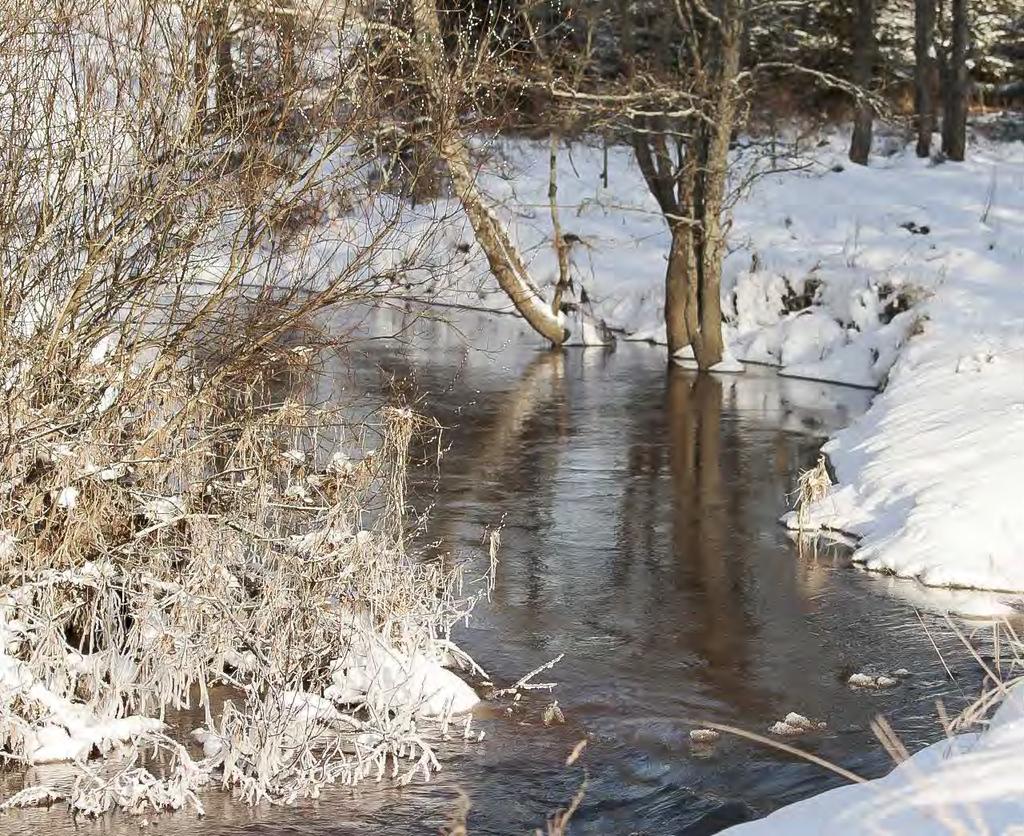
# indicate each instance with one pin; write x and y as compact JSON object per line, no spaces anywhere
{"x":927,"y":478}
{"x":967,"y":784}
{"x":904,"y":274}
{"x":829,"y":263}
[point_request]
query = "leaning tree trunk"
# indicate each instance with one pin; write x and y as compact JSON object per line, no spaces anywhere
{"x":504,"y":259}
{"x":863,"y":66}
{"x":924,"y":74}
{"x":954,"y":120}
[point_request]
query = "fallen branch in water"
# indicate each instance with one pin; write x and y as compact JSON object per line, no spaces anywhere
{"x":524,"y":684}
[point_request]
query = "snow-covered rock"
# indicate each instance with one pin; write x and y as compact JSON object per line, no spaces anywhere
{"x":704,"y":737}
{"x":793,"y":725}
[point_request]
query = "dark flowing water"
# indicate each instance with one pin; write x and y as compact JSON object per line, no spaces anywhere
{"x":641,"y":539}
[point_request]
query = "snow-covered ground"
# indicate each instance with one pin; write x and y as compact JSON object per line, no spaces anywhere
{"x":904,"y":275}
{"x":966,"y":784}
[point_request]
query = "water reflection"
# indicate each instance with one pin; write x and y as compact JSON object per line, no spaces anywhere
{"x":640,"y":508}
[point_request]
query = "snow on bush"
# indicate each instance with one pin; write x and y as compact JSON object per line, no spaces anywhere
{"x":170,"y":517}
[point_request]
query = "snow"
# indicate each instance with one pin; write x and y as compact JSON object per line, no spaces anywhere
{"x":727,"y":365}
{"x":967,"y":784}
{"x":868,"y":680}
{"x":794,"y":724}
{"x":67,"y":498}
{"x":837,"y":237}
{"x":65,"y":730}
{"x":901,"y":275}
{"x":928,"y":477}
{"x":704,"y":737}
{"x":164,"y":509}
{"x":378,"y":674}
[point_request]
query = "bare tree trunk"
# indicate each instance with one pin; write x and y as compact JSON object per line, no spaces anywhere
{"x":226,"y":79}
{"x":708,"y":345}
{"x":677,"y":331}
{"x":201,"y":73}
{"x":863,"y":67}
{"x":924,"y":74}
{"x":504,"y":259}
{"x":954,"y":121}
{"x":665,"y":184}
{"x":286,"y":42}
{"x":561,"y":248}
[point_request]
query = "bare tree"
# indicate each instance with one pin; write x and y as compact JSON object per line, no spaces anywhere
{"x":864,"y":52}
{"x":957,"y":82}
{"x":158,"y":271}
{"x":684,"y":157}
{"x":442,"y":86}
{"x":925,"y":74}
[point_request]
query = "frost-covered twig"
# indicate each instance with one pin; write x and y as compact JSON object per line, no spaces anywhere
{"x":524,"y":683}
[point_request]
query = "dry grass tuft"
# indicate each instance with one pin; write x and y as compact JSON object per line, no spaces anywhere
{"x":812,"y":486}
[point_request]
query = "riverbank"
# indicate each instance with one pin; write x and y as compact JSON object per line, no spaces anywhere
{"x":902,"y":275}
{"x":967,"y":783}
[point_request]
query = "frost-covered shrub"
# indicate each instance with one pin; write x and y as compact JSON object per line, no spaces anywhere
{"x":174,"y":515}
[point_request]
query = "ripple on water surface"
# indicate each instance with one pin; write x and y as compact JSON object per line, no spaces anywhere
{"x":640,"y":509}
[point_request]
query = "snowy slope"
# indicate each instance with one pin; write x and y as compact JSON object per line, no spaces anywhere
{"x":824,"y":259}
{"x":929,"y":475}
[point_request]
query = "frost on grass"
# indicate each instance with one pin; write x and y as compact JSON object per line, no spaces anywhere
{"x":153,"y":587}
{"x":185,"y":561}
{"x":169,"y":520}
{"x":174,"y":516}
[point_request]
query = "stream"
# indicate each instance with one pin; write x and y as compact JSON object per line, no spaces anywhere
{"x":640,"y":539}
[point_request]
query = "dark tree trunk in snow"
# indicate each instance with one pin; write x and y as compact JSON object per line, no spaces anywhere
{"x":705,"y":324}
{"x":226,"y":78}
{"x":954,"y":121}
{"x":660,"y":173}
{"x":677,"y":333}
{"x":925,"y":74}
{"x":863,"y":67}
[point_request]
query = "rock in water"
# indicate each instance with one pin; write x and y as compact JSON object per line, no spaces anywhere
{"x":704,"y":736}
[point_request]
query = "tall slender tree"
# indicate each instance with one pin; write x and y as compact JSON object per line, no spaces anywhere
{"x":925,"y":74}
{"x":685,"y":162}
{"x":864,"y":53}
{"x":957,"y":82}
